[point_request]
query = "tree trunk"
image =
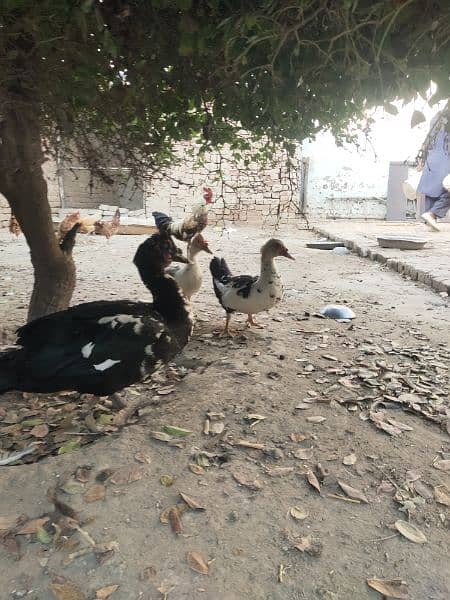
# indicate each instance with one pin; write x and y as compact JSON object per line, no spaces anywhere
{"x":22,"y":183}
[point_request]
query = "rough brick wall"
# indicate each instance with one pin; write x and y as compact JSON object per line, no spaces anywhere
{"x":251,"y":194}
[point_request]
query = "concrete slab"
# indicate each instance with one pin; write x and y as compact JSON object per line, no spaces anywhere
{"x":430,"y":265}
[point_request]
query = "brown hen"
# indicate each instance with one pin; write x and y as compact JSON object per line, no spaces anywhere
{"x":108,"y":228}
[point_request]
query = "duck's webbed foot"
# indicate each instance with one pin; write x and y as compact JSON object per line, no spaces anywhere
{"x":251,"y":322}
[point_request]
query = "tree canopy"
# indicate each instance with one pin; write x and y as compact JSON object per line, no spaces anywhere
{"x":127,"y":78}
{"x":119,"y":81}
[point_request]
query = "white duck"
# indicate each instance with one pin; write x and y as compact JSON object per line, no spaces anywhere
{"x":247,"y":294}
{"x":189,"y":277}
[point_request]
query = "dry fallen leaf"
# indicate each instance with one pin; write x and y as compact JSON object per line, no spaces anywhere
{"x":297,"y":513}
{"x":442,"y":495}
{"x":40,"y":431}
{"x":298,"y":437}
{"x":308,"y":544}
{"x":248,"y":444}
{"x":126,"y":475}
{"x":391,"y":588}
{"x":442,"y":465}
{"x":303,"y":453}
{"x":197,"y":563}
{"x":105,"y":592}
{"x":67,"y":591}
{"x":254,"y":485}
{"x":164,"y":516}
{"x":193,"y":504}
{"x":279,"y":471}
{"x":410,"y":531}
{"x":32,"y":526}
{"x":143,"y":458}
{"x":175,"y":520}
{"x":165,"y":390}
{"x":423,"y":489}
{"x":352,"y":492}
{"x":316,"y":419}
{"x":197,"y":469}
{"x":8,"y":522}
{"x":95,"y":493}
{"x":386,"y":487}
{"x":350,"y":459}
{"x":412,"y":475}
{"x":312,"y":480}
{"x":82,"y":474}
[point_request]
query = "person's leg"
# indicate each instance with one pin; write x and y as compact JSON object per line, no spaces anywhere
{"x":428,"y":216}
{"x":441,"y":205}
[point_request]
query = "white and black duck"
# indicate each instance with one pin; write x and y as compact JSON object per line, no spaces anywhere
{"x":245,"y":293}
{"x":103,"y":347}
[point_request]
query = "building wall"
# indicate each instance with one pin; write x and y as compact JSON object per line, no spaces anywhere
{"x":80,"y":191}
{"x":350,"y":181}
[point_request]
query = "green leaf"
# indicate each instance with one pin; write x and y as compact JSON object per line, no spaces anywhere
{"x":105,"y":419}
{"x":109,"y":43}
{"x":166,"y":480}
{"x":70,"y":446}
{"x":31,"y":422}
{"x":390,"y":108}
{"x":184,"y":4}
{"x":417,"y":118}
{"x":86,"y":5}
{"x":176,"y":431}
{"x":80,"y":18}
{"x":43,"y":536}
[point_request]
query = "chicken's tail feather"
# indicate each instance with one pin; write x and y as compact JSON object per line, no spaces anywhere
{"x":162,"y":221}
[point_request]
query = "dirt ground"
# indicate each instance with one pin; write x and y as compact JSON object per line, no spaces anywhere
{"x":266,"y":533}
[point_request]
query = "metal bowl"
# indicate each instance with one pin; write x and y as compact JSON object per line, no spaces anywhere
{"x":324,"y":245}
{"x":338,"y":312}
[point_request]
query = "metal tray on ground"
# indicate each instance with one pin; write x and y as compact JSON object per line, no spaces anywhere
{"x":401,"y":243}
{"x":328,"y":245}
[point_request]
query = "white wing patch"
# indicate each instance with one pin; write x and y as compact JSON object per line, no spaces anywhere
{"x":148,"y":350}
{"x":106,"y":364}
{"x":123,"y":320}
{"x":86,"y":350}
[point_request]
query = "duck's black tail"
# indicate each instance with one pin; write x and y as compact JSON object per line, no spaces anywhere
{"x":219,"y":269}
{"x":8,"y":370}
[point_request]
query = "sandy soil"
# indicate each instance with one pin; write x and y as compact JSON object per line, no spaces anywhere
{"x":248,"y":537}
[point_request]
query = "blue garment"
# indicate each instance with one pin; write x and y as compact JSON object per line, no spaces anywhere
{"x":437,"y":166}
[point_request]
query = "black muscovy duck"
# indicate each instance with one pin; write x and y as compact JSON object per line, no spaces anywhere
{"x":102,"y":347}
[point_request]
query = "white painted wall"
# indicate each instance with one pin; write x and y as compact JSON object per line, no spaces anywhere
{"x":351,"y":181}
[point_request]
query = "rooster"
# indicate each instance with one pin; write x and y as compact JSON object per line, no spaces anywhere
{"x":190,"y":226}
{"x":109,"y":228}
{"x":14,"y":226}
{"x":67,"y":223}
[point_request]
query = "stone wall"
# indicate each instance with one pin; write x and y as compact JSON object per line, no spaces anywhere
{"x":251,"y":194}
